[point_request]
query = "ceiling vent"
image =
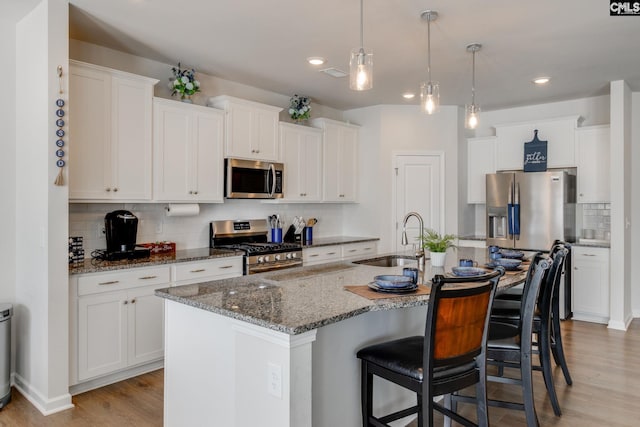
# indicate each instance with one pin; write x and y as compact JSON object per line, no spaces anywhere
{"x":334,"y":72}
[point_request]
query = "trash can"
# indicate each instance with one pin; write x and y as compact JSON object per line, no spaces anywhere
{"x":6,"y":311}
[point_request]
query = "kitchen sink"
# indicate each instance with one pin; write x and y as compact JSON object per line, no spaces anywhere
{"x":389,"y":261}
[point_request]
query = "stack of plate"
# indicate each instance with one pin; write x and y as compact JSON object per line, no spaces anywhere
{"x":468,"y":271}
{"x":393,"y":284}
{"x":509,"y":264}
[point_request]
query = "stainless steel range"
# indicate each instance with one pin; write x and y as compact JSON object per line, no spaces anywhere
{"x":250,"y":236}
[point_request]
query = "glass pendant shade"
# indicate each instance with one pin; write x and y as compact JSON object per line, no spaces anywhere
{"x":361,"y":70}
{"x":471,"y":116}
{"x":429,"y":97}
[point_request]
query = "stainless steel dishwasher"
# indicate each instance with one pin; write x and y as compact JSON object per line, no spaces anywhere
{"x":6,"y":311}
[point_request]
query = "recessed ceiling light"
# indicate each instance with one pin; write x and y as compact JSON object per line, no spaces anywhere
{"x":408,"y":95}
{"x":316,"y":60}
{"x":541,"y":80}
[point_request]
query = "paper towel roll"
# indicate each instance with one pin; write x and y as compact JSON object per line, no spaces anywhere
{"x":183,"y":209}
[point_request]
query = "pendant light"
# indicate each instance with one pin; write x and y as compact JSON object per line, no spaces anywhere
{"x":472,"y":111}
{"x":361,"y":63}
{"x":429,"y":91}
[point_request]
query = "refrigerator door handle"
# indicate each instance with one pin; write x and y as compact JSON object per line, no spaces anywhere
{"x":516,"y":212}
{"x":510,"y":210}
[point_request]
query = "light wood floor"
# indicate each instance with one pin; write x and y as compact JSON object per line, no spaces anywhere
{"x":604,"y":363}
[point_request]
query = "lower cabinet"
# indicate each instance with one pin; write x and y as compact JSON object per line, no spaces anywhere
{"x":331,"y":253}
{"x":590,"y":284}
{"x":117,"y":322}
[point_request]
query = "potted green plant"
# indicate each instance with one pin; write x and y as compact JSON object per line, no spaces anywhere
{"x":437,"y":245}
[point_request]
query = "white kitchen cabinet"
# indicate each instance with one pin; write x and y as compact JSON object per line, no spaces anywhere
{"x":187,"y":157}
{"x":251,"y":128}
{"x":590,"y":283}
{"x":116,"y":321}
{"x":481,"y":160}
{"x":110,"y":134}
{"x":321,"y":254}
{"x":592,"y":155}
{"x":301,"y":153}
{"x":559,"y":132}
{"x":184,"y":273}
{"x":351,"y":251}
{"x":340,"y":160}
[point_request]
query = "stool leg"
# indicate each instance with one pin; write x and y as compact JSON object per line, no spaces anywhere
{"x":447,"y":403}
{"x":557,"y":348}
{"x":527,"y":390}
{"x":366,"y":394}
{"x":544,"y":354}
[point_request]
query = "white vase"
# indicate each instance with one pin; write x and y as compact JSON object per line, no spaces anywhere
{"x":437,"y":259}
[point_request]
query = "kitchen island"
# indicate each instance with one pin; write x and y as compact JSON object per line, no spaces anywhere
{"x":278,"y":349}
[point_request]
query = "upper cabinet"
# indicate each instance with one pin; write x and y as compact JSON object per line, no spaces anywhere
{"x":110,"y":134}
{"x":187,"y":156}
{"x":592,"y":159}
{"x":340,"y":160}
{"x":301,"y":153}
{"x":481,"y":160}
{"x":251,"y":128}
{"x":560,"y":134}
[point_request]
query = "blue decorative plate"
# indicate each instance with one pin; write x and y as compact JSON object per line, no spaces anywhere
{"x":468,"y":271}
{"x":507,"y":268}
{"x":507,"y":253}
{"x":393,"y":281}
{"x":508,"y":262}
{"x":412,"y":287}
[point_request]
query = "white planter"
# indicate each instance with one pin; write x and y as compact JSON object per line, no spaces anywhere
{"x":437,"y":259}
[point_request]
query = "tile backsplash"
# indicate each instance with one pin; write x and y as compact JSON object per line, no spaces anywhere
{"x":596,"y":217}
{"x":87,"y":220}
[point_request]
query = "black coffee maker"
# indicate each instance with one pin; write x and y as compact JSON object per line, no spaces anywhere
{"x":121,"y":228}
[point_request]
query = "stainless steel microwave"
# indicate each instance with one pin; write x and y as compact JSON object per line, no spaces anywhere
{"x":253,"y":179}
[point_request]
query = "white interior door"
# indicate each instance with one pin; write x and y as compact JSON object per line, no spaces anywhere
{"x":419,"y":187}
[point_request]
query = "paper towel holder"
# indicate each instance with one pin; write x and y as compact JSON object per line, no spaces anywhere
{"x":182,"y":209}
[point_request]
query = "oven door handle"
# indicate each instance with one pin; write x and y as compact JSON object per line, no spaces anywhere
{"x":272,"y":170}
{"x":272,"y":267}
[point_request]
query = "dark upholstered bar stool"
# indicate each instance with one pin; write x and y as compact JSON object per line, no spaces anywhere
{"x":449,"y":357}
{"x":512,"y":345}
{"x":509,"y":311}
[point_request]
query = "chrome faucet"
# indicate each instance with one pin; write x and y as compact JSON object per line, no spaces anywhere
{"x":419,"y":253}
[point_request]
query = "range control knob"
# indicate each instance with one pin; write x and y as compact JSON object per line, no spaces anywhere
{"x":289,"y":255}
{"x":294,"y":255}
{"x":277,"y":257}
{"x":267,"y":258}
{"x":260,"y":259}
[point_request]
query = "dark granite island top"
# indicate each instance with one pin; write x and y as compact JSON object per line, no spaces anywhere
{"x":297,"y":300}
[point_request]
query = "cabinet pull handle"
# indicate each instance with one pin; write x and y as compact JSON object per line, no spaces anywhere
{"x":588,"y":254}
{"x":200,"y":270}
{"x":313,"y":255}
{"x":367,"y":249}
{"x":331,"y":253}
{"x":226,"y":266}
{"x":353,"y":250}
{"x":112,"y":282}
{"x":147,"y":277}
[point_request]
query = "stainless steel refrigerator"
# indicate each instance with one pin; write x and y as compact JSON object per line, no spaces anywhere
{"x":530,"y":210}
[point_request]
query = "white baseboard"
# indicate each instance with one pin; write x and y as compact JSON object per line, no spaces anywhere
{"x":43,"y":404}
{"x":115,"y":377}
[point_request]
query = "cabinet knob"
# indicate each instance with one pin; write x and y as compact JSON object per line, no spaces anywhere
{"x":133,"y":301}
{"x":253,"y":151}
{"x":190,"y":192}
{"x":107,"y":189}
{"x":581,"y":194}
{"x":115,"y":189}
{"x":195,"y":192}
{"x":125,"y":302}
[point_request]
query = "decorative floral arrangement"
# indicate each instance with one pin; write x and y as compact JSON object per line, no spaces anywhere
{"x":436,"y":242}
{"x":183,"y":82}
{"x":300,"y":108}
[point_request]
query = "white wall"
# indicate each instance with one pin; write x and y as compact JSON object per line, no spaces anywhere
{"x":389,"y":128}
{"x":635,"y":203}
{"x":41,"y":293}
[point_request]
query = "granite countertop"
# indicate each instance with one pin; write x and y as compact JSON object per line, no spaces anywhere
{"x":186,"y":255}
{"x":300,"y":299}
{"x":593,"y":243}
{"x":338,"y":240}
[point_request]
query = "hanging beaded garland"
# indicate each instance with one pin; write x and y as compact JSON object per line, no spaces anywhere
{"x":60,"y":133}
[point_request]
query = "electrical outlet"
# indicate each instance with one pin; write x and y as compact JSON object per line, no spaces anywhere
{"x":274,"y":380}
